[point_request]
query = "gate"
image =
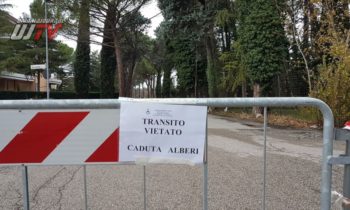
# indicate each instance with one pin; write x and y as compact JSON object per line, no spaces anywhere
{"x":328,"y":126}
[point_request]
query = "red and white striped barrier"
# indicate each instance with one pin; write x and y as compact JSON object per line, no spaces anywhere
{"x":59,"y":137}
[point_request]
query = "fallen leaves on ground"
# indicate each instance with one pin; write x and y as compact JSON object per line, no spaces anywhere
{"x":273,"y":119}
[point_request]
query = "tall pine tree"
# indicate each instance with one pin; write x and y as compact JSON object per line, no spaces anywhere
{"x":108,"y":64}
{"x":82,"y":59}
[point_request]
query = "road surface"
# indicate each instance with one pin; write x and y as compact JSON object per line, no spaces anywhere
{"x":235,"y":176}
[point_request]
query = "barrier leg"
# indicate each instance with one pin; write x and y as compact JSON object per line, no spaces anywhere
{"x":205,"y":171}
{"x":264,"y":182}
{"x":144,"y":189}
{"x":85,"y":188}
{"x":346,"y":183}
{"x":205,"y":186}
{"x":25,"y":187}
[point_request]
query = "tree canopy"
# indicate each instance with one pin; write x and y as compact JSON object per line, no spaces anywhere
{"x":203,"y":48}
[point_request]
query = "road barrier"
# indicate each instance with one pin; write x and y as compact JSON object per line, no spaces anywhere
{"x":328,"y":127}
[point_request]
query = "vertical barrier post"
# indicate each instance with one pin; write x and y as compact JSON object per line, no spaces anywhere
{"x":85,"y":188}
{"x":264,"y":182}
{"x":328,"y":137}
{"x":144,"y":189}
{"x":25,"y":187}
{"x":205,"y":170}
{"x":346,"y":182}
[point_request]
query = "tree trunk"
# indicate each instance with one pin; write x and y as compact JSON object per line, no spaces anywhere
{"x":166,"y":83}
{"x":139,"y":90}
{"x":108,"y":60}
{"x":130,"y":75}
{"x":38,"y":85}
{"x":256,"y":93}
{"x":244,"y":89}
{"x":306,"y":26}
{"x":120,"y":67}
{"x":149,"y":89}
{"x":159,"y":83}
{"x":211,"y":64}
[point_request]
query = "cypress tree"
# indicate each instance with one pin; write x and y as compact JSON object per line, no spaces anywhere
{"x":82,"y":59}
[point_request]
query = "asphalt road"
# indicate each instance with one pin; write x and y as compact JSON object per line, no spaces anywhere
{"x":235,"y":176}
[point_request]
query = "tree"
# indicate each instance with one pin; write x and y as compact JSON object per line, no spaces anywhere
{"x":263,"y":41}
{"x":299,"y":74}
{"x":82,"y":59}
{"x":95,"y":73}
{"x":235,"y":72}
{"x":163,"y":58}
{"x":209,"y":14}
{"x":20,"y":54}
{"x":123,"y":10}
{"x":184,"y":38}
{"x":108,"y":60}
{"x":333,"y":82}
{"x":146,"y":74}
{"x":134,"y":45}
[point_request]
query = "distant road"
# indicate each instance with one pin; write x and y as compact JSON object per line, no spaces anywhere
{"x":235,"y":176}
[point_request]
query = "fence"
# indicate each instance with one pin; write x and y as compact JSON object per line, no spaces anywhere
{"x":328,"y":125}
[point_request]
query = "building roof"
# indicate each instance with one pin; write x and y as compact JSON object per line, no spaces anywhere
{"x":16,"y":76}
{"x":23,"y":77}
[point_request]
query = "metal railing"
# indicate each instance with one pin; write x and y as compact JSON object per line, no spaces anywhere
{"x":328,"y":125}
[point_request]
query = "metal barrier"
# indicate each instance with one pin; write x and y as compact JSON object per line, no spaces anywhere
{"x":328,"y":126}
{"x":344,"y":135}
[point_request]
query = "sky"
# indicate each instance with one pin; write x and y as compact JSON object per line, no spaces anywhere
{"x":150,"y":10}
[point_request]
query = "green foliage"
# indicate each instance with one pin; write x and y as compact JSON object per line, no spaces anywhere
{"x":334,"y":79}
{"x":163,"y":57}
{"x":212,"y":65}
{"x":334,"y":73}
{"x":37,"y":9}
{"x":263,"y":41}
{"x":95,"y":73}
{"x":226,"y":20}
{"x":17,"y":56}
{"x":134,"y":44}
{"x":127,"y":26}
{"x":82,"y":59}
{"x":145,"y":69}
{"x":333,"y":88}
{"x":145,"y":74}
{"x":5,"y":26}
{"x":183,"y":33}
{"x":108,"y":60}
{"x":234,"y":71}
{"x":224,"y":17}
{"x":108,"y":67}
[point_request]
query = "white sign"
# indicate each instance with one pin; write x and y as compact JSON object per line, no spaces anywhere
{"x":161,"y":133}
{"x":37,"y":66}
